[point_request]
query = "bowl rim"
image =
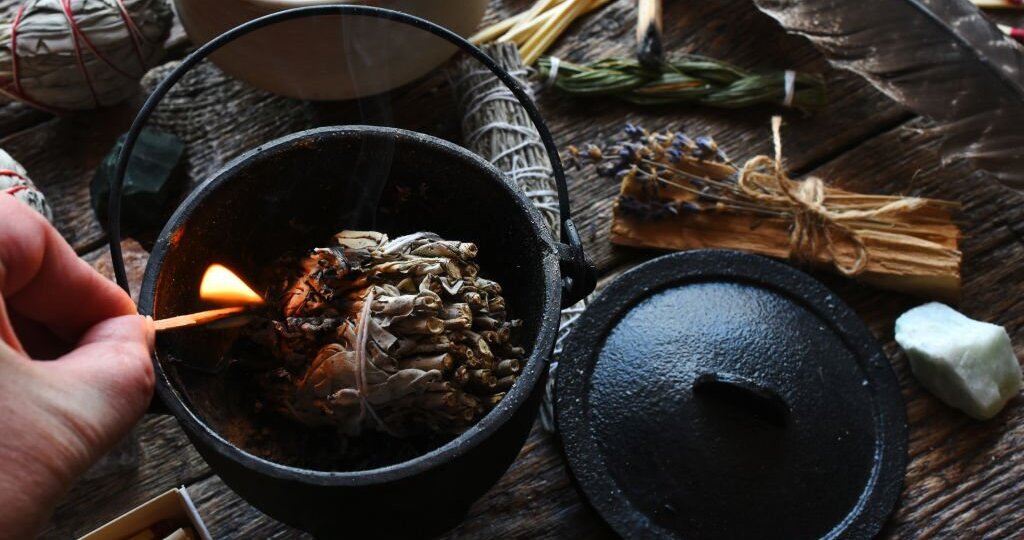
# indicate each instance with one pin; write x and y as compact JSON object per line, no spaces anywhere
{"x":494,"y":420}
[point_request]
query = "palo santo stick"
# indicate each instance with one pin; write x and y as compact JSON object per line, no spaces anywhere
{"x":194,"y":319}
{"x":649,"y":50}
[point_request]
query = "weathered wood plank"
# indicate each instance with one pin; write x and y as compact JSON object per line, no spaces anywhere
{"x":962,"y":480}
{"x":228,"y":516}
{"x":166,"y":460}
{"x":61,"y":156}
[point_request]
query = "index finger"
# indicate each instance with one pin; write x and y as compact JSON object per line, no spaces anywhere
{"x":42,"y":279}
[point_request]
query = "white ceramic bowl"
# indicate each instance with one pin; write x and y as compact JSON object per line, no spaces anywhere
{"x":330,"y":57}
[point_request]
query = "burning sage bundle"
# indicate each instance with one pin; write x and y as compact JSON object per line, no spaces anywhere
{"x":399,"y":336}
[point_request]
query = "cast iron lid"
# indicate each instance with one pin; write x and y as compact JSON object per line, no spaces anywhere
{"x":715,"y":394}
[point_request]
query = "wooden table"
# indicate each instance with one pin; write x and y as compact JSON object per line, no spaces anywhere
{"x":963,"y":479}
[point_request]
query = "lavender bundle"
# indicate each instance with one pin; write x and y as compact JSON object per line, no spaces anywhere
{"x":400,"y":336}
{"x":687,"y":79}
{"x":679,"y":193}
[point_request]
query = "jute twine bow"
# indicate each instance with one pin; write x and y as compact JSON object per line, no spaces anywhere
{"x":815,"y":224}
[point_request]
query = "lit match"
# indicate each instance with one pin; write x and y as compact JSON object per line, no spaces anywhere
{"x":221,"y":286}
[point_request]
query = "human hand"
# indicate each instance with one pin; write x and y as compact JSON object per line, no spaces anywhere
{"x":57,"y":417}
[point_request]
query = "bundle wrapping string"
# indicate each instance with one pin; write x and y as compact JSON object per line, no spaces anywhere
{"x":362,"y":357}
{"x":814,"y":222}
{"x":556,"y":62}
{"x":789,"y":86}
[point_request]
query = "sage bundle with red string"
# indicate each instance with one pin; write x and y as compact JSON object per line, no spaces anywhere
{"x":64,"y":55}
{"x":14,"y":181}
{"x":680,"y":193}
{"x":400,"y":336}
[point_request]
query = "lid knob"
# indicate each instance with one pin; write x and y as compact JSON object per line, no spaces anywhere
{"x":743,"y":395}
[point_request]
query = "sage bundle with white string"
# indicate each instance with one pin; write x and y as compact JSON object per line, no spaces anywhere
{"x":496,"y":127}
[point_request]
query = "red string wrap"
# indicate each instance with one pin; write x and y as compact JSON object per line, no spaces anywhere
{"x":16,"y":174}
{"x":134,"y":33}
{"x":17,"y":92}
{"x":75,"y":31}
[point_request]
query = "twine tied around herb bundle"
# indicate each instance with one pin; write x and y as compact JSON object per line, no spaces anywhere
{"x":805,"y":200}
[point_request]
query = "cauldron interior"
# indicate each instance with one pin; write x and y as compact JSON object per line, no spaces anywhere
{"x":294,"y":194}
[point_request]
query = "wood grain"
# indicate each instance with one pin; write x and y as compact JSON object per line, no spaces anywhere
{"x":166,"y":460}
{"x":963,"y":478}
{"x":228,"y":516}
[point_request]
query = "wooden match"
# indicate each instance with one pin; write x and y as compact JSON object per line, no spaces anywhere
{"x":195,"y":319}
{"x":997,"y":4}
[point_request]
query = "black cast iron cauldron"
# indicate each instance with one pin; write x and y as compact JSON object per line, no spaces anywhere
{"x":299,"y":190}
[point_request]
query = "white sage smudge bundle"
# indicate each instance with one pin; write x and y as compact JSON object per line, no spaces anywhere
{"x":63,"y":55}
{"x":495,"y":126}
{"x":399,"y":336}
{"x":14,"y":181}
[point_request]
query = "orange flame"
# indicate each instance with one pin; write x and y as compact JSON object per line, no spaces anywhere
{"x":222,"y":286}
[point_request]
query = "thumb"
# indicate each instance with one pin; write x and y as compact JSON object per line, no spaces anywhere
{"x":109,"y":377}
{"x":60,"y":416}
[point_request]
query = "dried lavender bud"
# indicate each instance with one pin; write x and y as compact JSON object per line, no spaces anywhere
{"x":634,"y":132}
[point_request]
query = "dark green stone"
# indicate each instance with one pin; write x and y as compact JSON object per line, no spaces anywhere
{"x":155,"y":171}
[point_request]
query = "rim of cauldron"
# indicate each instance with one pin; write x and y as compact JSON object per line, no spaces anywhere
{"x":477,"y":433}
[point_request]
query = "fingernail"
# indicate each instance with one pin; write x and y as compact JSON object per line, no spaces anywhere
{"x":150,"y":332}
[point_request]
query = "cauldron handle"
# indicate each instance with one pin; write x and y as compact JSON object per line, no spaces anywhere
{"x":579,"y":276}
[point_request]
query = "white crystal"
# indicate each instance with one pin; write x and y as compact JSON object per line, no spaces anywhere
{"x":968,"y":364}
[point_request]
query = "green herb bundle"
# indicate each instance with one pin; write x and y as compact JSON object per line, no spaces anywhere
{"x":688,"y":79}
